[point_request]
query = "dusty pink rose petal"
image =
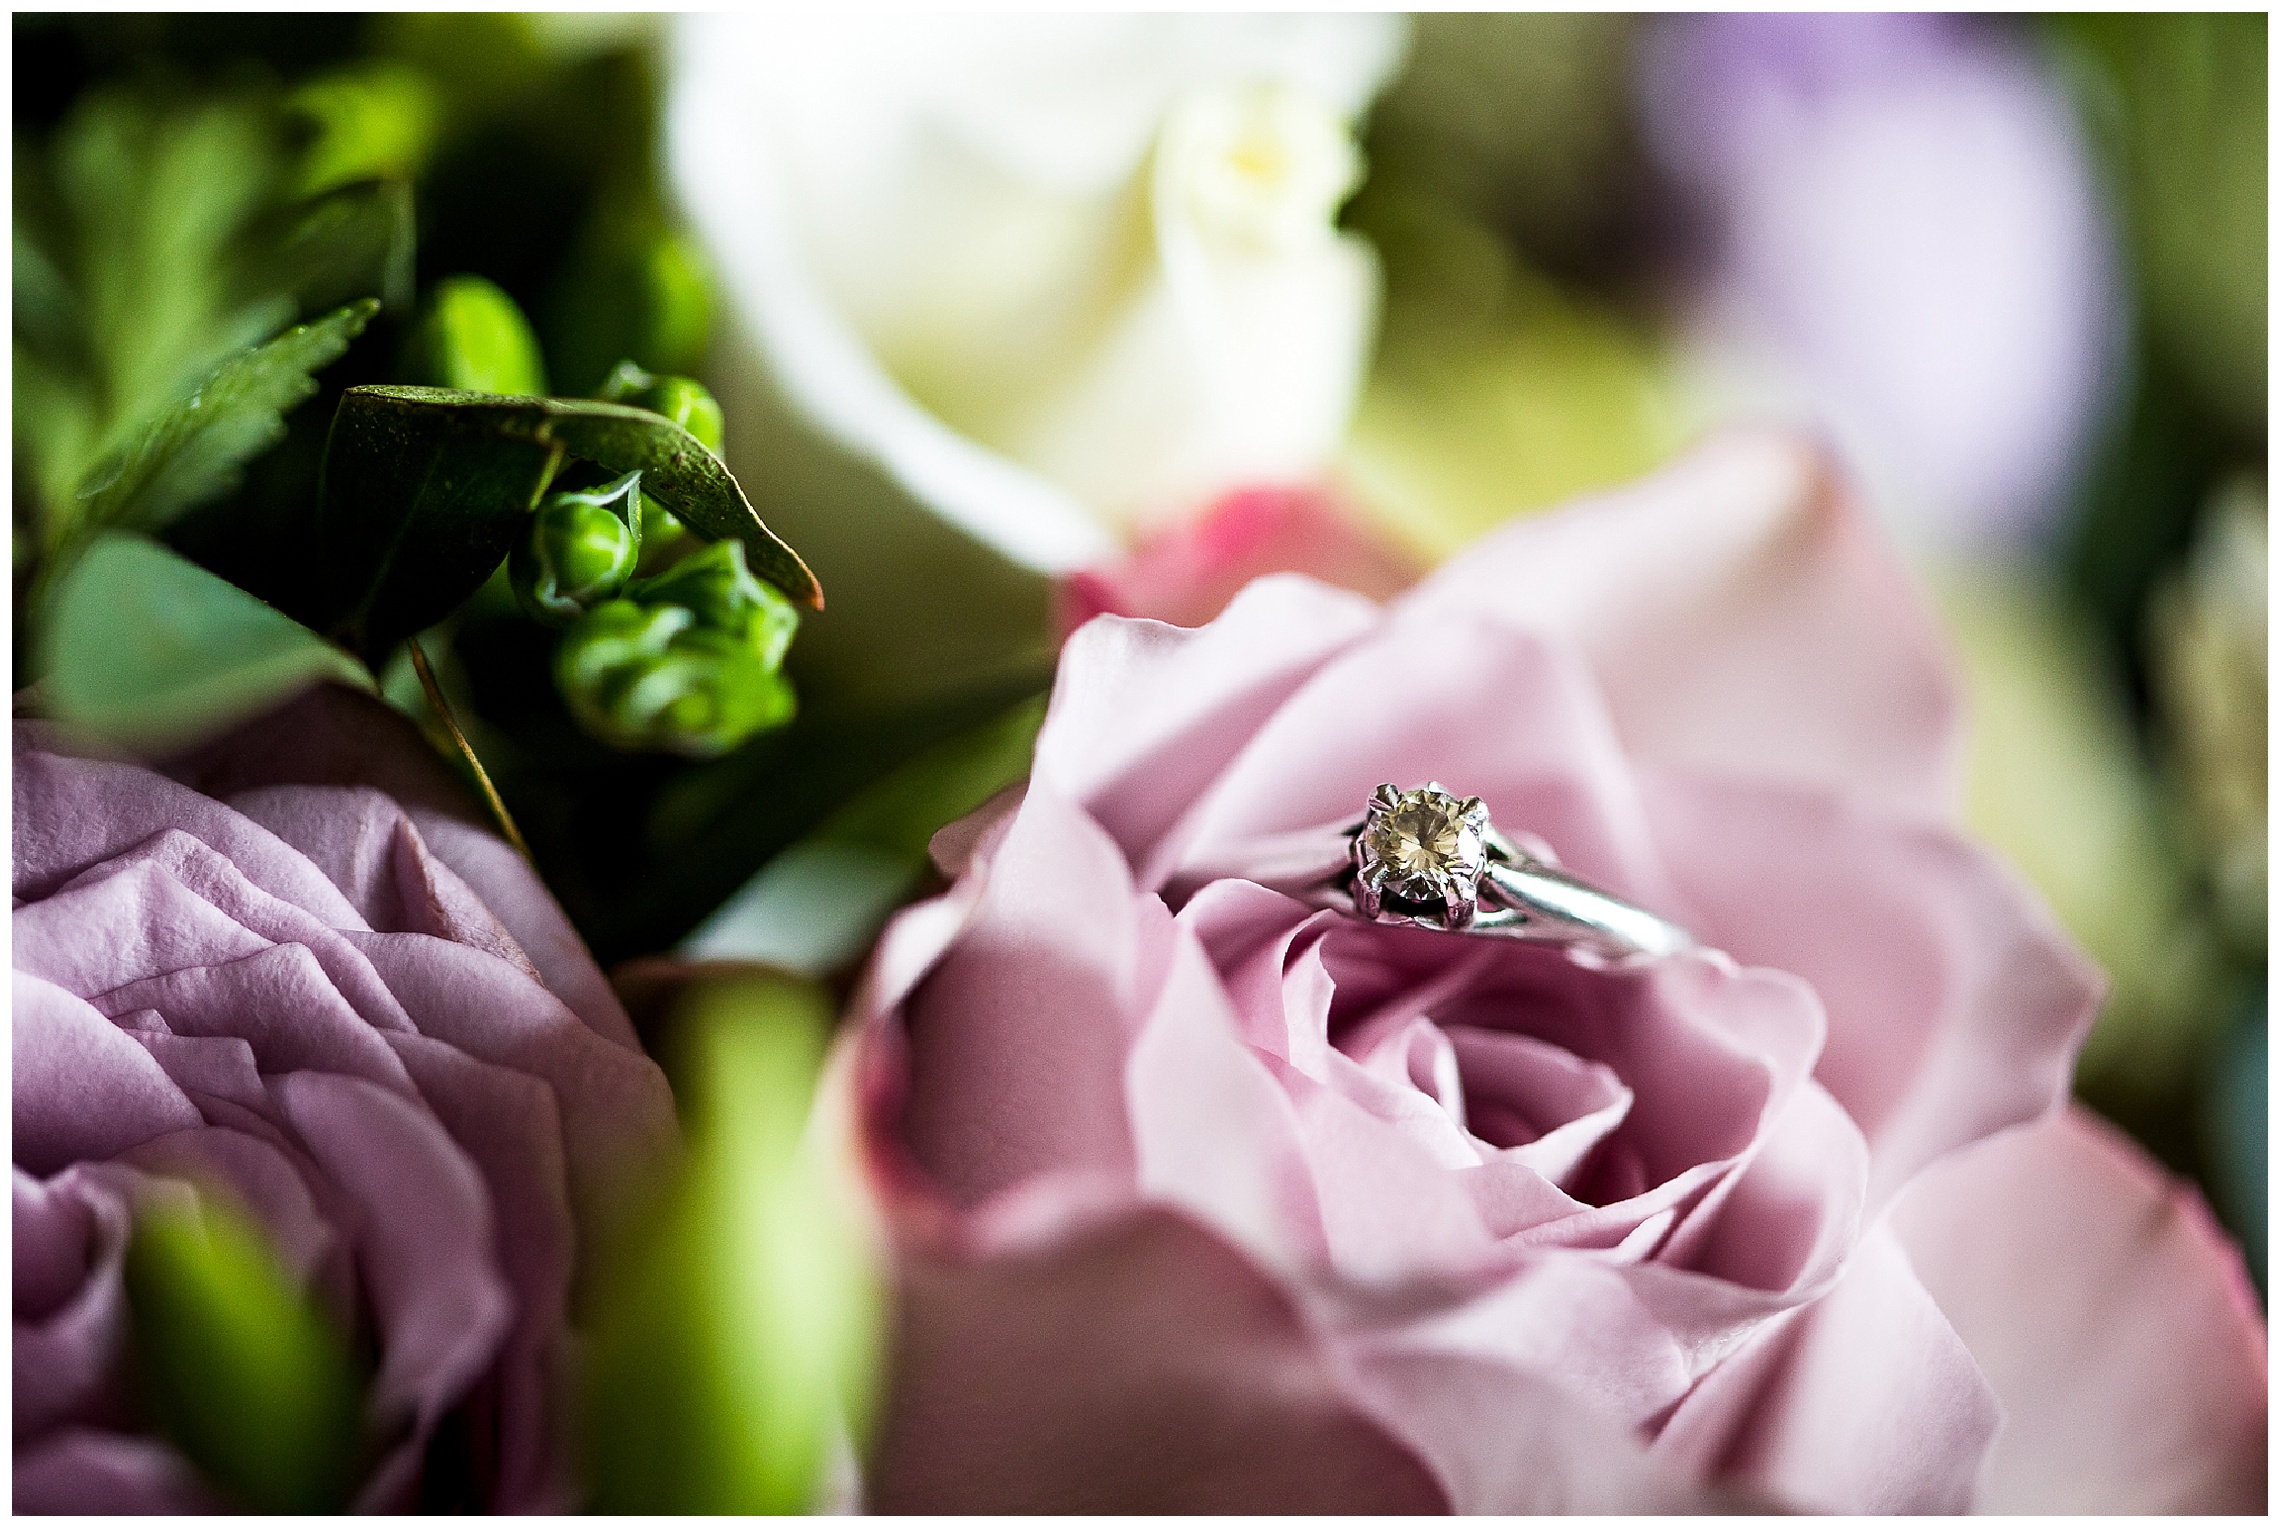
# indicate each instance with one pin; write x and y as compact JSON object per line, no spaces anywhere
{"x":1187,"y":573}
{"x":1565,"y":1236}
{"x":1740,"y":615}
{"x":2110,"y":1314}
{"x":294,"y":998}
{"x":1039,"y":1381}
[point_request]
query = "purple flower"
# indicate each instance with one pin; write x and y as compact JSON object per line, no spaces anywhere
{"x":300,"y":974}
{"x":1905,"y":245}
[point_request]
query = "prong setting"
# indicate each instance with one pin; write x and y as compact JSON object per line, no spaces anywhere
{"x":1418,"y":857}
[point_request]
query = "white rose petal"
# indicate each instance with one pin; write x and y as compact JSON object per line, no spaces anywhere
{"x":1058,"y":277}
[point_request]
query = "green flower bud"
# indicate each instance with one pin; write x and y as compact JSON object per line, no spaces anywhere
{"x":474,"y":337}
{"x":680,"y":399}
{"x":648,"y":676}
{"x":660,"y":527}
{"x":714,"y":584}
{"x":625,"y":382}
{"x":581,"y":548}
{"x":688,"y":405}
{"x":683,"y":400}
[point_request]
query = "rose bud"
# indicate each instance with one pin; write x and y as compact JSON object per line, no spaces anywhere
{"x":581,"y":549}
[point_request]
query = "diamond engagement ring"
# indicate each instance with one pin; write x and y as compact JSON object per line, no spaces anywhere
{"x":1431,"y":859}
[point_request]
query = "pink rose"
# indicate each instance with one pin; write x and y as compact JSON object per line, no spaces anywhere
{"x":307,"y":979}
{"x":1214,"y":1201}
{"x":1187,"y":573}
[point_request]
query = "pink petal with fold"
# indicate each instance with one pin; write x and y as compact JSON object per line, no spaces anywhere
{"x":1955,"y":1000}
{"x":1502,"y":1440}
{"x":366,"y":845}
{"x":1212,"y":1132}
{"x":1144,"y":716}
{"x":2111,"y":1315}
{"x":280,"y":1002}
{"x":616,"y":1107}
{"x":424,"y":1245}
{"x":83,"y":1089}
{"x":1867,"y":1401}
{"x":509,"y":1124}
{"x":1142,"y":1365}
{"x":1018,"y":1046}
{"x":330,"y":736}
{"x":1740,"y":614}
{"x":71,"y":813}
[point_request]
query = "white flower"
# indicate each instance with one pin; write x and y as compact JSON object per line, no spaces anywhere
{"x":1060,"y":278}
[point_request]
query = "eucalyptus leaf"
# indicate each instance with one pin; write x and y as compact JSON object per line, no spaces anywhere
{"x":679,"y":473}
{"x":237,"y":1364}
{"x":418,"y":503}
{"x":194,"y":449}
{"x":148,"y":650}
{"x":425,"y":488}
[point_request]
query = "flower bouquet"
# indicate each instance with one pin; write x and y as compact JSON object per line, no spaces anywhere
{"x":1101,"y":764}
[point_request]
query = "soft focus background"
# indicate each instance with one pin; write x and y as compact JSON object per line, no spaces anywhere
{"x":2013,"y":269}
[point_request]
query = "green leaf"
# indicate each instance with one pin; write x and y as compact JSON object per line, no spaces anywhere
{"x":149,"y":650}
{"x":741,"y":1330}
{"x":816,"y":907}
{"x":237,"y":1364}
{"x":155,"y":238}
{"x":374,"y":118}
{"x":348,"y":242}
{"x":417,"y":504}
{"x":425,"y":489}
{"x":194,"y":449}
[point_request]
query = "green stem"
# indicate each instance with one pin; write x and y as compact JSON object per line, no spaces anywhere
{"x":442,"y":710}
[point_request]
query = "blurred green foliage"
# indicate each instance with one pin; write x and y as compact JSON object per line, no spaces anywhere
{"x":1518,"y":364}
{"x":236,"y":1362}
{"x":2178,"y":102}
{"x":736,"y":1344}
{"x":818,"y":905}
{"x":156,"y":239}
{"x":148,"y":651}
{"x":474,"y":338}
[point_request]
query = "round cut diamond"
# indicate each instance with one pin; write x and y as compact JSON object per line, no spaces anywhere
{"x":1423,"y":846}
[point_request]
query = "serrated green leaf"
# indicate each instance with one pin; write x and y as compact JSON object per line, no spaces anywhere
{"x":147,"y":649}
{"x":155,"y":239}
{"x":348,"y":242}
{"x":194,"y":449}
{"x":742,"y":1331}
{"x":237,"y":1365}
{"x":426,"y":487}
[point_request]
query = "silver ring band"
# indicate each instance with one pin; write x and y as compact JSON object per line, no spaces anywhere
{"x":1427,"y":859}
